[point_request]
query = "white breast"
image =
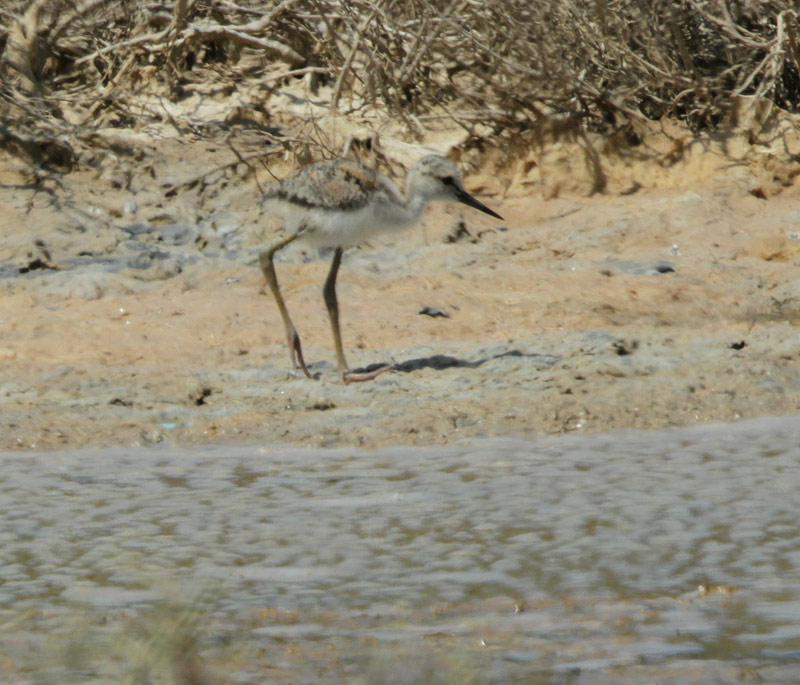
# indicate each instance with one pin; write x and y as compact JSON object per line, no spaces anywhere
{"x":338,"y":228}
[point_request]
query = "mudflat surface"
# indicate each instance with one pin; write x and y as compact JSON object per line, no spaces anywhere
{"x":133,"y":311}
{"x":638,"y":556}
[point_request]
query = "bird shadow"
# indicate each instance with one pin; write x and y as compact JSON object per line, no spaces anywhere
{"x":439,"y":362}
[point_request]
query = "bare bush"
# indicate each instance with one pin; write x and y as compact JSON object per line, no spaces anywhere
{"x":497,"y":67}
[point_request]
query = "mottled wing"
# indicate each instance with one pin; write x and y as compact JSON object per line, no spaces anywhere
{"x":339,"y":185}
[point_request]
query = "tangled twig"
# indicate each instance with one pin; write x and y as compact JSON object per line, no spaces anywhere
{"x":601,"y":63}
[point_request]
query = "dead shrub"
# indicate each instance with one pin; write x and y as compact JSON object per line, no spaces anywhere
{"x":499,"y":68}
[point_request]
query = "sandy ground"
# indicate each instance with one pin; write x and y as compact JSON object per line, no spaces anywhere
{"x":133,"y":310}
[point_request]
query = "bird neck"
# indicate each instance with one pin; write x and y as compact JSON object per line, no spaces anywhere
{"x":415,"y":205}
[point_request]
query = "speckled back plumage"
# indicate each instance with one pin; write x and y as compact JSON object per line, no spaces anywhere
{"x":342,"y":203}
{"x":337,"y":185}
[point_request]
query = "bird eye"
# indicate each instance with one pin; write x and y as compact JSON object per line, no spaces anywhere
{"x":449,"y":181}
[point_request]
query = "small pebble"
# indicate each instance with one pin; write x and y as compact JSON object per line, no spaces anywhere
{"x":434,"y":312}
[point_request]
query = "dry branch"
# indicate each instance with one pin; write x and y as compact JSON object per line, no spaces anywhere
{"x":211,"y":31}
{"x":348,"y":63}
{"x":601,"y":63}
{"x":172,"y":188}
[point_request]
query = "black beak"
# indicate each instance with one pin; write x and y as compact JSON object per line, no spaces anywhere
{"x":467,"y":199}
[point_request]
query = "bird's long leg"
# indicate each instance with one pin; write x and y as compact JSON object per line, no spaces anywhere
{"x":329,"y":293}
{"x":265,"y":260}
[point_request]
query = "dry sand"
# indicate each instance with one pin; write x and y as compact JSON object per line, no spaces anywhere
{"x":671,"y":298}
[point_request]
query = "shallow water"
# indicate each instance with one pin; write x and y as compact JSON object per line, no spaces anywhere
{"x":669,"y":556}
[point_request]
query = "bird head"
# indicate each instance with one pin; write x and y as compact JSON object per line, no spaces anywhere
{"x":437,"y":178}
